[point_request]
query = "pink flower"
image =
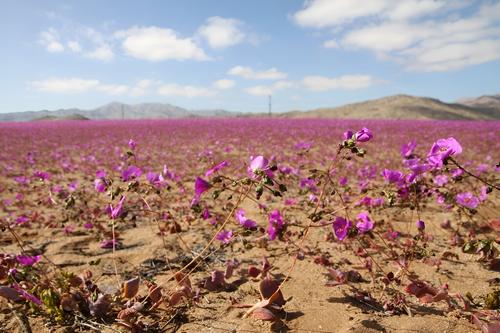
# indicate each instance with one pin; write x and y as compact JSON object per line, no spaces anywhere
{"x":243,"y":221}
{"x":118,"y":210}
{"x":407,"y":149}
{"x":216,"y":168}
{"x":467,"y":200}
{"x":132,"y":144}
{"x":224,"y":236}
{"x":275,"y":224}
{"x":28,"y":260}
{"x":131,"y":172}
{"x":341,"y":227}
{"x":363,"y":135}
{"x":99,"y":185}
{"x":259,"y":166}
{"x":393,"y":176}
{"x":440,"y":180}
{"x":441,"y":150}
{"x":200,"y":186}
{"x":364,"y":224}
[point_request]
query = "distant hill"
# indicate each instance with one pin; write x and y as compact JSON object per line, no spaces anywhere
{"x":117,"y":110}
{"x":391,"y":107}
{"x":488,"y":104}
{"x":400,"y":107}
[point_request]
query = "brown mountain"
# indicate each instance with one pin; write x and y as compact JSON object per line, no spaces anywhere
{"x":487,"y":104}
{"x":400,"y":107}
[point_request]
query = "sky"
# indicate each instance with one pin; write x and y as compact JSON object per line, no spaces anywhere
{"x":232,"y":55}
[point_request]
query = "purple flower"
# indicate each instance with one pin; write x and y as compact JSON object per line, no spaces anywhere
{"x":42,"y":175}
{"x":348,"y":135}
{"x":441,"y":150}
{"x":99,"y":185}
{"x":484,"y":193}
{"x":132,"y":144}
{"x":343,"y":181}
{"x":131,"y":172}
{"x":73,"y":186}
{"x":259,"y":166}
{"x":420,"y":225}
{"x":363,"y":135}
{"x":393,"y":176}
{"x":206,"y":214}
{"x":118,"y":210}
{"x":100,"y":174}
{"x":156,"y":179}
{"x":341,"y":227}
{"x":216,"y":168}
{"x":364,"y":224}
{"x":200,"y":186}
{"x":88,"y":225}
{"x":243,"y":221}
{"x":275,"y":224}
{"x":468,"y":200}
{"x":224,"y":236}
{"x":28,"y":260}
{"x":23,"y":180}
{"x":21,"y":220}
{"x":407,"y":149}
{"x":440,"y":180}
{"x":26,"y":295}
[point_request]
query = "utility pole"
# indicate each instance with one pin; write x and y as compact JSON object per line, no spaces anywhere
{"x":270,"y":105}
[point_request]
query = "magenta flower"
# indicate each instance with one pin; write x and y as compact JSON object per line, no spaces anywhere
{"x":23,"y":180}
{"x":72,"y":187}
{"x":224,"y":236}
{"x":393,"y":176}
{"x":441,"y":150}
{"x":42,"y":175}
{"x":275,"y":224}
{"x":484,"y":194}
{"x":100,"y":174}
{"x":348,"y":135}
{"x":341,"y":227}
{"x":26,"y":295}
{"x":132,"y":144}
{"x":407,"y":149}
{"x":206,"y":214}
{"x":131,"y":172}
{"x":156,"y":179}
{"x":28,"y":260}
{"x":200,"y":186}
{"x":99,"y":185}
{"x":440,"y":180}
{"x":216,"y":168}
{"x":118,"y":210}
{"x":363,"y":135}
{"x":243,"y":221}
{"x":259,"y":166}
{"x":108,"y":243}
{"x":467,"y":199}
{"x":22,"y":220}
{"x":364,"y":224}
{"x":420,"y":225}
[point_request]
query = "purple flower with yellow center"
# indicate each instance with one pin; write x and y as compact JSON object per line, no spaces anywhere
{"x":364,"y":224}
{"x":275,"y":224}
{"x":441,"y":150}
{"x":467,"y":199}
{"x":224,"y":236}
{"x":341,"y":227}
{"x":363,"y":135}
{"x":258,"y":167}
{"x":243,"y":221}
{"x":216,"y":168}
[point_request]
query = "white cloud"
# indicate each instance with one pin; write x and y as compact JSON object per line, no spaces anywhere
{"x":113,"y":89}
{"x":177,"y":90}
{"x":331,"y":44}
{"x":249,"y":73}
{"x":141,"y":88}
{"x":263,"y":90}
{"x":422,"y":35}
{"x":65,"y":85}
{"x":102,"y":52}
{"x":222,"y":32}
{"x":326,"y":13}
{"x":157,"y":44}
{"x":51,"y":41}
{"x":345,"y":82}
{"x":223,"y":84}
{"x":74,"y":46}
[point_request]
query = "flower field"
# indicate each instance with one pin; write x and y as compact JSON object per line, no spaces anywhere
{"x":250,"y":225}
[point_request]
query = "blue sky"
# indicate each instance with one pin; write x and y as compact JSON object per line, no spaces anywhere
{"x":232,"y":54}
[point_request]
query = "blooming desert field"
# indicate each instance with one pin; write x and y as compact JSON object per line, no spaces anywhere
{"x":250,"y":225}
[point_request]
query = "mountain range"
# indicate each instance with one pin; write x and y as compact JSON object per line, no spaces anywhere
{"x":391,"y":107}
